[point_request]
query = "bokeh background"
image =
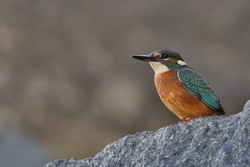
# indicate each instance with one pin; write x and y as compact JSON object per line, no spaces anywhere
{"x":69,"y":87}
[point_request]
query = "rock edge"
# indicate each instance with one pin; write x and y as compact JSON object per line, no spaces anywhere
{"x":207,"y":141}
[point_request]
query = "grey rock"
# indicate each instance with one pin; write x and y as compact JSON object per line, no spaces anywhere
{"x":208,"y":141}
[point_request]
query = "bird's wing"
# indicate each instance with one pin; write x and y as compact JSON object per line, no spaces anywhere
{"x":199,"y":87}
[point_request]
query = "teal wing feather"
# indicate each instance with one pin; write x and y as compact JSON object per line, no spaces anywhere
{"x":199,"y":87}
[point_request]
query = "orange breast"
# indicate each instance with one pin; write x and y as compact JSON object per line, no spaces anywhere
{"x":177,"y":99}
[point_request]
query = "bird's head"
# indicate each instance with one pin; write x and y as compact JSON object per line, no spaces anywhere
{"x":162,"y":60}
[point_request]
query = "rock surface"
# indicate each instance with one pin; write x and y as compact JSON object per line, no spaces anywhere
{"x":208,"y":141}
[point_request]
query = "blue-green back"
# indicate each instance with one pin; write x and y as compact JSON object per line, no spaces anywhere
{"x":200,"y":88}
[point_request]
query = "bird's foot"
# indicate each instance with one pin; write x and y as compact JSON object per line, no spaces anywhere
{"x":186,"y":120}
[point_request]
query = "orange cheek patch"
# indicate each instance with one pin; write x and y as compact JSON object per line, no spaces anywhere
{"x":157,"y":55}
{"x":173,"y":60}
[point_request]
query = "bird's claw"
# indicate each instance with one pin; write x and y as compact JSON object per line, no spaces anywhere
{"x":186,"y":120}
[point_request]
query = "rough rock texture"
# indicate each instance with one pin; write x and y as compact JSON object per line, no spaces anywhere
{"x":209,"y":141}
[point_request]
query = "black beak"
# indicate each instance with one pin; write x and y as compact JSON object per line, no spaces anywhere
{"x":147,"y":58}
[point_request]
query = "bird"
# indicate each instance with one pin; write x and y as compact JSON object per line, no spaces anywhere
{"x":182,"y":90}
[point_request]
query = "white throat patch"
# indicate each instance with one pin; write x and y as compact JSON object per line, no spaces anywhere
{"x":158,"y":67}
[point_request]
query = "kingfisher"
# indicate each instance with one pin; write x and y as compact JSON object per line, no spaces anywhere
{"x":183,"y":91}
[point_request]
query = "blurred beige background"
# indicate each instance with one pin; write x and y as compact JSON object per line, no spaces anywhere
{"x":67,"y":80}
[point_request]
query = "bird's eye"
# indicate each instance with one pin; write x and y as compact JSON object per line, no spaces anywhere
{"x":164,"y":55}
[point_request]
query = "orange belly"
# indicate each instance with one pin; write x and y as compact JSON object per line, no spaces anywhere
{"x":177,"y":99}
